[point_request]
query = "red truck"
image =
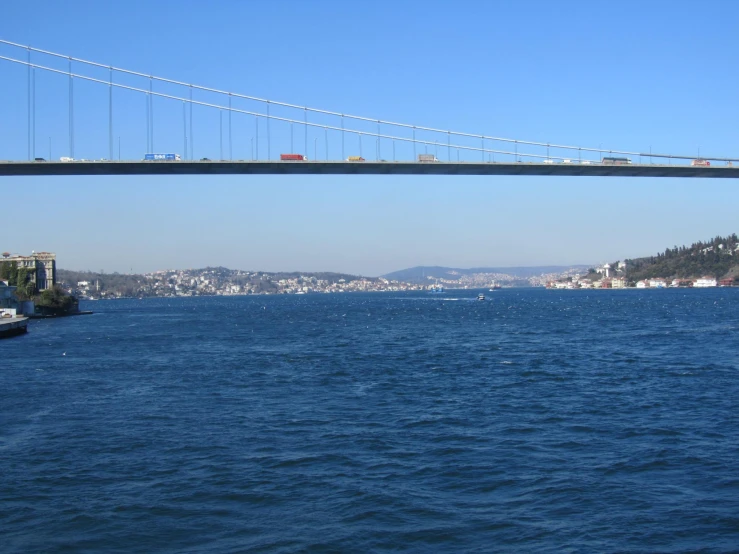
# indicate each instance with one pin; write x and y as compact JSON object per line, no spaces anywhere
{"x":292,"y":158}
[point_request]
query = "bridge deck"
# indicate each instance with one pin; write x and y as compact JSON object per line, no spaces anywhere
{"x":358,"y":168}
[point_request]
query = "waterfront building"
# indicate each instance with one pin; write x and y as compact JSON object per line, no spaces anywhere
{"x":618,"y":282}
{"x":43,"y":265}
{"x":706,"y":281}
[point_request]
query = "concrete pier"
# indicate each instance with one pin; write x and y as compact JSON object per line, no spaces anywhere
{"x":12,"y":326}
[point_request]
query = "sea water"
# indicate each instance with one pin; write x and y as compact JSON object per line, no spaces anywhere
{"x":580,"y":421}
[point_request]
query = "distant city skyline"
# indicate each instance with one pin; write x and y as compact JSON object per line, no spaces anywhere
{"x":574,"y":73}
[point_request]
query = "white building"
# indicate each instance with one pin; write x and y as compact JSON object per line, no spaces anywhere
{"x":618,"y":283}
{"x":705,"y":282}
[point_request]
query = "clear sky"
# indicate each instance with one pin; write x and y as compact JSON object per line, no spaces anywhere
{"x":626,"y":75}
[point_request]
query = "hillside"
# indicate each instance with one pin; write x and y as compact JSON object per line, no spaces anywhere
{"x":205,"y":281}
{"x":718,"y":258}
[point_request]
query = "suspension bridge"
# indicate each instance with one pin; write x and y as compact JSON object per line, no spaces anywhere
{"x":269,"y":136}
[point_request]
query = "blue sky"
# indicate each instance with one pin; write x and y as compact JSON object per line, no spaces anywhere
{"x":641,"y":75}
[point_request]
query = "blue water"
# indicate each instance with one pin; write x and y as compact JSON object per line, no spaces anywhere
{"x":537,"y":420}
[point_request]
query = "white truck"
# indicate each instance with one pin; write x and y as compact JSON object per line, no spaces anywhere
{"x":426,"y":158}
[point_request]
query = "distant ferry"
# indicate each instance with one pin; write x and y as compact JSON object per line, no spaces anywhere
{"x":436,"y":288}
{"x":494,"y":286}
{"x":481,"y":296}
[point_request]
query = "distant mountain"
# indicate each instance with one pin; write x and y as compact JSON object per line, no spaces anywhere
{"x":425,"y":273}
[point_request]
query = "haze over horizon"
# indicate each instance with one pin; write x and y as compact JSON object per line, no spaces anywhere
{"x":573,"y":73}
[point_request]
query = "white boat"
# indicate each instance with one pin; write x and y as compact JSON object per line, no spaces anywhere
{"x":481,"y":296}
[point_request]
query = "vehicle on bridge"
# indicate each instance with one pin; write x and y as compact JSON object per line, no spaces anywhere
{"x":293,"y":158}
{"x":66,"y":159}
{"x":615,"y":161}
{"x":701,"y":162}
{"x":162,"y":157}
{"x":425,"y":158}
{"x":355,"y":159}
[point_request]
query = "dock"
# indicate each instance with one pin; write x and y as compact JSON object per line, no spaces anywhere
{"x":56,"y":315}
{"x":12,"y":326}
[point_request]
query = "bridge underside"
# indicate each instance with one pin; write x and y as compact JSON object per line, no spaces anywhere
{"x":358,"y":168}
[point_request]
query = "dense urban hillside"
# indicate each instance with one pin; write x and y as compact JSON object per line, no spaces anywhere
{"x":130,"y":284}
{"x":212,"y":281}
{"x":718,"y":258}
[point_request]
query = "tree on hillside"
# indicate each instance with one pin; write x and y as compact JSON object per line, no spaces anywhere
{"x":57,"y":300}
{"x":696,"y":261}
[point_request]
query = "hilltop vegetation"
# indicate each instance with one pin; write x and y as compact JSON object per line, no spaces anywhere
{"x":718,"y":258}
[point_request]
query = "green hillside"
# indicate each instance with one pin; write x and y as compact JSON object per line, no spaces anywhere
{"x":717,"y":258}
